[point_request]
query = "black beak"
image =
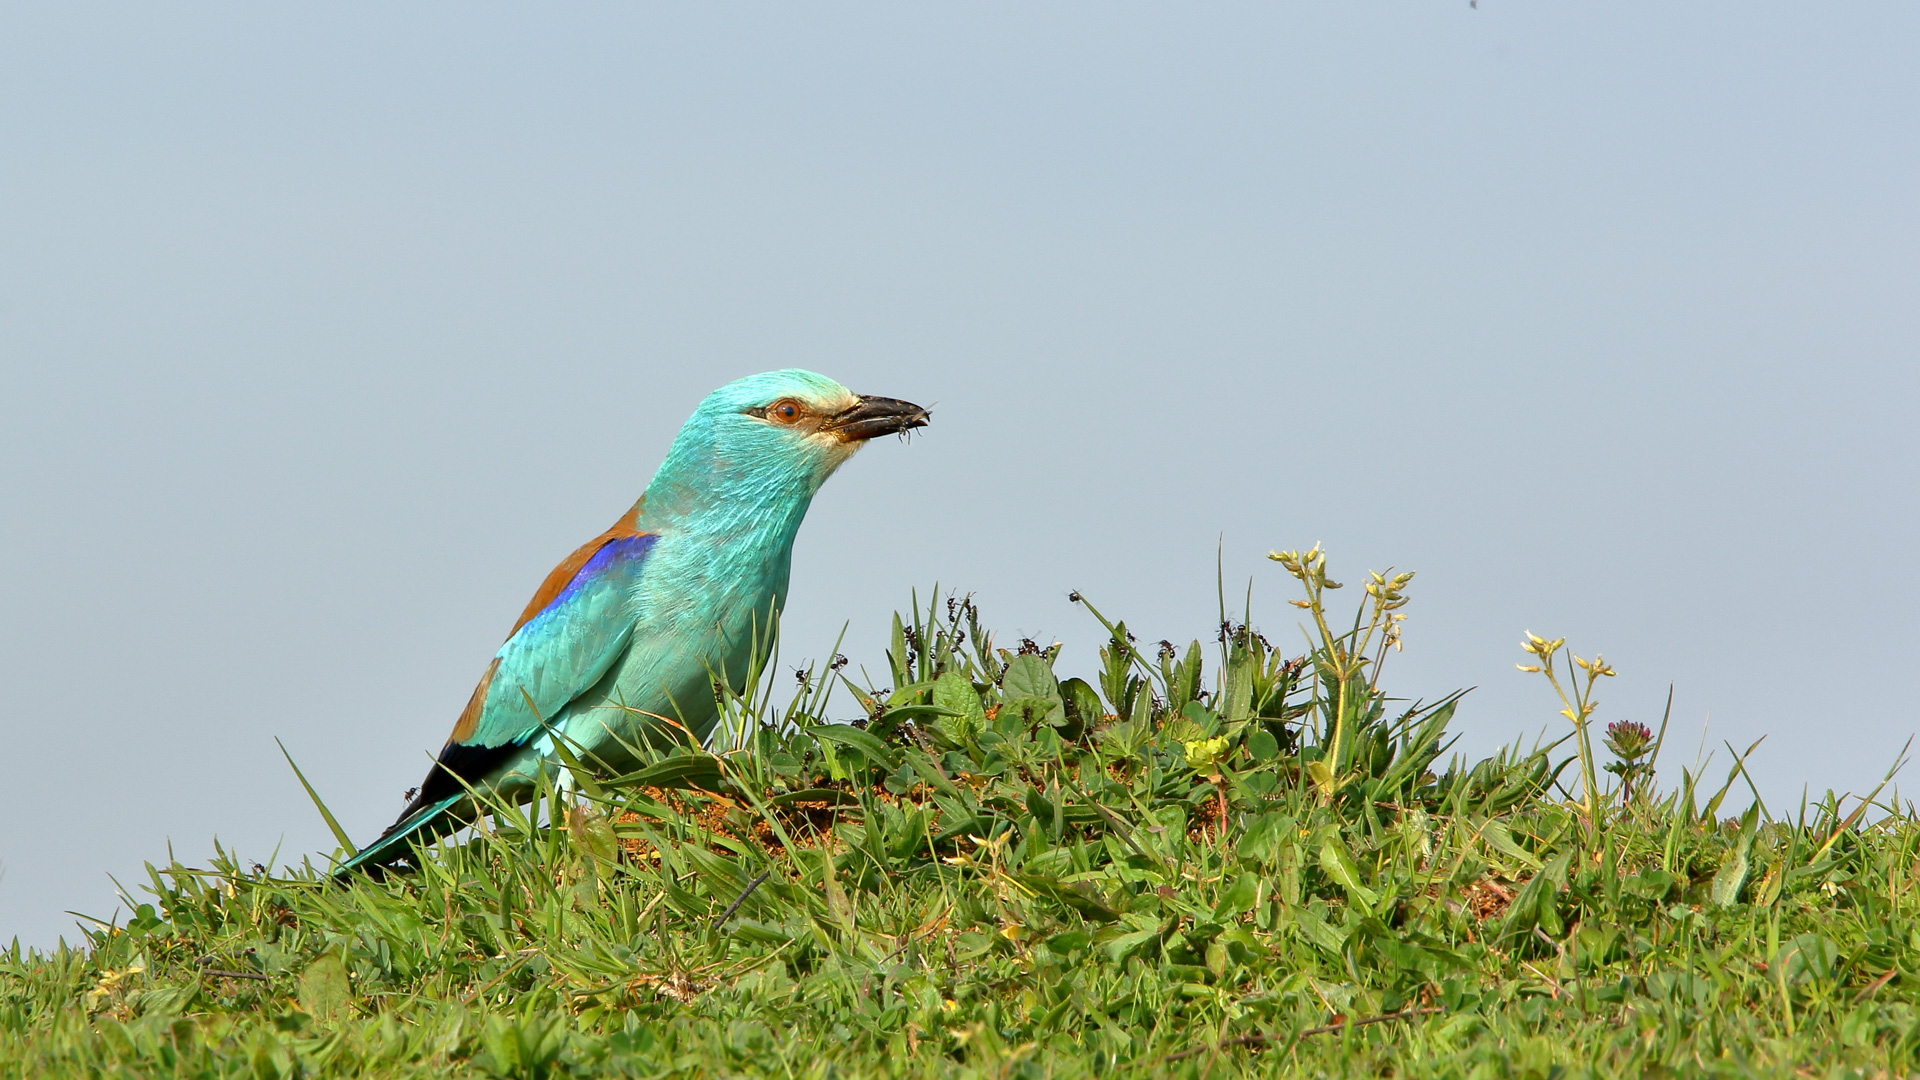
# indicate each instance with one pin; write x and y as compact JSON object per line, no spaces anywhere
{"x":874,"y":416}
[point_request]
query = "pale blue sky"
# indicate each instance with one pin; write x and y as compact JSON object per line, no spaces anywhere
{"x":325,"y":331}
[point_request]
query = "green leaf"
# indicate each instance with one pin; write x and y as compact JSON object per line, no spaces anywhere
{"x":830,"y":796}
{"x":1651,"y":883}
{"x":1400,"y":953}
{"x":929,"y":771}
{"x":1808,"y":956}
{"x":324,"y":987}
{"x":1200,"y":716}
{"x":1069,"y":942}
{"x":1030,"y":713}
{"x":1183,"y":679}
{"x":1315,"y":929}
{"x":1029,"y":677}
{"x":1338,"y":862}
{"x":1498,"y":838}
{"x":902,"y":696}
{"x":1239,"y":689}
{"x":897,"y":653}
{"x":700,"y":771}
{"x":1238,"y":899}
{"x":1263,"y":746}
{"x":1038,"y":805}
{"x":1081,"y":896}
{"x":954,"y":692}
{"x":591,"y":832}
{"x":1322,"y":775}
{"x":1732,"y":875}
{"x":1120,"y":946}
{"x":1536,"y":904}
{"x":840,"y":907}
{"x":1083,"y":708}
{"x":930,"y":714}
{"x":874,"y":750}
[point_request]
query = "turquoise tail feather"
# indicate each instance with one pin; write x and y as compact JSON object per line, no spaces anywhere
{"x":424,"y":825}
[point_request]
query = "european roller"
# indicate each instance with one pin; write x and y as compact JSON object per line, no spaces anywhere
{"x":638,"y":622}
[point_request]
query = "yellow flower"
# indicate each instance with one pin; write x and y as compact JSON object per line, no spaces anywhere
{"x":111,"y":980}
{"x":1204,"y":753}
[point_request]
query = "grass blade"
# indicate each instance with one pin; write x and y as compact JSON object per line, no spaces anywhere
{"x":339,"y":833}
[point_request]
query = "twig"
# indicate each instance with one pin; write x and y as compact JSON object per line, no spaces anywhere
{"x":1258,"y":1038}
{"x":741,"y":899}
{"x":1552,"y":982}
{"x":1404,"y":1014}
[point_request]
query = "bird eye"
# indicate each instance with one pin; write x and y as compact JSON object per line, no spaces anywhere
{"x":784,"y":411}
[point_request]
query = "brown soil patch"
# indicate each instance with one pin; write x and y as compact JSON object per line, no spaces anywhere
{"x":1488,"y":899}
{"x":807,"y":823}
{"x":1207,"y":818}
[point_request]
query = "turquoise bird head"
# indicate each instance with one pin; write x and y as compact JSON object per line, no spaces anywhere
{"x":768,"y":442}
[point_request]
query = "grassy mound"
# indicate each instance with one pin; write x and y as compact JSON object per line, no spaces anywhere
{"x":1202,"y":861}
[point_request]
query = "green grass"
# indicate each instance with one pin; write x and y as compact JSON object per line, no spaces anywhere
{"x":1200,"y":861}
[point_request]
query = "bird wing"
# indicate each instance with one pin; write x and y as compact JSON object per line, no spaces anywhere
{"x":573,"y":631}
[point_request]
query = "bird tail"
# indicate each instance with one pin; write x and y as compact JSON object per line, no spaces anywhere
{"x":423,"y":825}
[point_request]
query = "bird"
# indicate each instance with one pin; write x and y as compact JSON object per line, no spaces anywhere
{"x":627,"y":637}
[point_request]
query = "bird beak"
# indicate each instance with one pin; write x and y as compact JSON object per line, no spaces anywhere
{"x":873,"y":416}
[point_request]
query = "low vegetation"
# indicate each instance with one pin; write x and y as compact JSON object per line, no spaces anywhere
{"x":1204,"y":861}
